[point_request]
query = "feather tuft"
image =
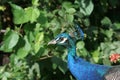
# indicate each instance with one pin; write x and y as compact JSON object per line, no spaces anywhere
{"x":77,"y":33}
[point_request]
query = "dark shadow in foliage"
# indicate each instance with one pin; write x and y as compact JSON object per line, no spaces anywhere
{"x":91,"y":33}
{"x":48,"y":73}
{"x":42,"y":19}
{"x":20,"y":44}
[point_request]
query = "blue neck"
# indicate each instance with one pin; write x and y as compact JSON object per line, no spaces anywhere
{"x":71,"y":48}
{"x":72,"y":51}
{"x":83,"y":69}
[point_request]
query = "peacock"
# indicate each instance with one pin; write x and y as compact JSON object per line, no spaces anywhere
{"x":80,"y":68}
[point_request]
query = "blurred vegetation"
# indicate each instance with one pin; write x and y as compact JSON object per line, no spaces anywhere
{"x":26,"y":26}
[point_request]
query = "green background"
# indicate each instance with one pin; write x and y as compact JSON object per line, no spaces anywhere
{"x":26,"y":27}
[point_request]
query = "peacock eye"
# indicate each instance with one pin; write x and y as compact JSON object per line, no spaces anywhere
{"x":61,"y":39}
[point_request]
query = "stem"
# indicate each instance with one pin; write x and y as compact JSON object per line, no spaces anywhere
{"x":2,"y":31}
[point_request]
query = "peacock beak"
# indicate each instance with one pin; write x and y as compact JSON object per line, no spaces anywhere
{"x":52,"y":42}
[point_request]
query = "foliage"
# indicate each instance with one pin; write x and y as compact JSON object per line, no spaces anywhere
{"x":30,"y":25}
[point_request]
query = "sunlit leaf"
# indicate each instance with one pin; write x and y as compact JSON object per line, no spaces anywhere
{"x":19,"y":15}
{"x":34,"y":68}
{"x":2,"y":8}
{"x":35,"y":2}
{"x":80,"y":45}
{"x":10,"y":40}
{"x":61,"y":12}
{"x":106,"y":21}
{"x":70,"y":18}
{"x":32,"y":13}
{"x":116,"y":26}
{"x":96,"y":55}
{"x":4,"y":78}
{"x":38,"y":41}
{"x":106,"y":61}
{"x":71,"y":10}
{"x":67,"y":5}
{"x":86,"y":22}
{"x":86,"y":7}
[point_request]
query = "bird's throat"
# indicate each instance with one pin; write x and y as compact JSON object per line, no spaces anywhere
{"x":72,"y":50}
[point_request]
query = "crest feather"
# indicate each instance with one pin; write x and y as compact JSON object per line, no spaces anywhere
{"x":77,"y":33}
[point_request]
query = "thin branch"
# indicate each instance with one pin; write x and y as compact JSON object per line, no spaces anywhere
{"x":45,"y":57}
{"x":2,"y":31}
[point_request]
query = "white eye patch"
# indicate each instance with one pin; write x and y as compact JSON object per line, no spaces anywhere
{"x":57,"y":39}
{"x":63,"y":40}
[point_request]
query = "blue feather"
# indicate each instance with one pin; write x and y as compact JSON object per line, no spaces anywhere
{"x":81,"y":69}
{"x":79,"y":33}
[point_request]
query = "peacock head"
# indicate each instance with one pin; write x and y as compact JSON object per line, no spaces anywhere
{"x":61,"y":39}
{"x":68,"y":39}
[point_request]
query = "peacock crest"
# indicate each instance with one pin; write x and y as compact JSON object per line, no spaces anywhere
{"x":76,"y":32}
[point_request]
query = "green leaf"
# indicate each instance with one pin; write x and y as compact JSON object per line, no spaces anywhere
{"x":106,"y":61}
{"x":67,"y":5}
{"x":80,"y":49}
{"x":70,"y":18}
{"x":21,"y":15}
{"x":4,"y":78}
{"x":61,"y":64}
{"x":54,"y":66}
{"x":32,"y":13}
{"x":10,"y":40}
{"x":42,"y":19}
{"x":104,"y":45}
{"x":71,"y":10}
{"x":2,"y":8}
{"x":38,"y":41}
{"x":109,"y":33}
{"x":61,"y":12}
{"x":106,"y":21}
{"x":86,"y":22}
{"x":96,"y":55}
{"x":29,"y":31}
{"x":117,"y":50}
{"x":86,"y":7}
{"x":80,"y":45}
{"x":116,"y":26}
{"x":34,"y":68}
{"x":24,"y":51}
{"x":7,"y":74}
{"x":35,"y":2}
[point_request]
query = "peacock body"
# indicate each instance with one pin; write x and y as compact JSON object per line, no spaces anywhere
{"x":81,"y":69}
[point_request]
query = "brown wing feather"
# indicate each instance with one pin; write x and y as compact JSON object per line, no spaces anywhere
{"x":113,"y":73}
